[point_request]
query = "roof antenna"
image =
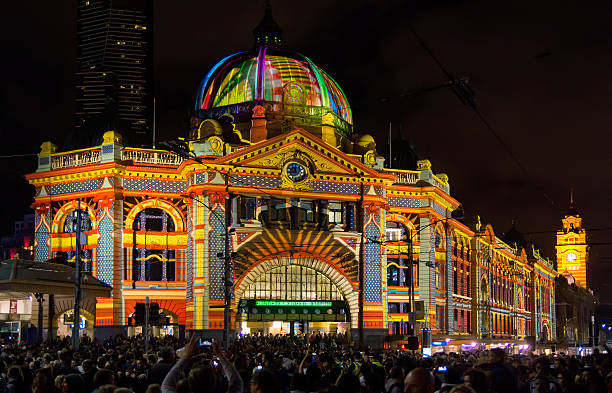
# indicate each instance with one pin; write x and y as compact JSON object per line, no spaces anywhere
{"x":390,"y":143}
{"x":154,"y":122}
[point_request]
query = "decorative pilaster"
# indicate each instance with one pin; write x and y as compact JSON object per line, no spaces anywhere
{"x":427,"y":275}
{"x":42,"y":232}
{"x":450,"y":289}
{"x":373,"y":267}
{"x":110,"y":261}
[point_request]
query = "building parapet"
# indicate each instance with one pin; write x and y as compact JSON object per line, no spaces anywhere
{"x":76,"y":158}
{"x":151,"y":156}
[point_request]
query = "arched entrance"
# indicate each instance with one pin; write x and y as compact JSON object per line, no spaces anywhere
{"x":289,"y":294}
{"x":63,"y":323}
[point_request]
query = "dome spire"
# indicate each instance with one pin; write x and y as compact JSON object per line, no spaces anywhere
{"x":572,"y":210}
{"x":268,"y":32}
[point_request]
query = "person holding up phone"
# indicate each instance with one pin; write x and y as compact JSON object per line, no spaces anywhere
{"x":202,"y":378}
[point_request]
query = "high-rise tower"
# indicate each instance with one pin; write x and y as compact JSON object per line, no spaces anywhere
{"x":572,"y":248}
{"x":114,"y":80}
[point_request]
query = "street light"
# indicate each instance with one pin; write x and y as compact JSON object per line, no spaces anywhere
{"x":228,"y":282}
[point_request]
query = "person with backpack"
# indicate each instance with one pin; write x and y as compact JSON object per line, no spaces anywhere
{"x":395,"y":380}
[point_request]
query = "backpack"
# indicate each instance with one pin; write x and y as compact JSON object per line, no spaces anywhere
{"x":396,"y":385}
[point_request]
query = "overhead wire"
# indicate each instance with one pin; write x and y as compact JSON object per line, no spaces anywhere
{"x":465,"y":95}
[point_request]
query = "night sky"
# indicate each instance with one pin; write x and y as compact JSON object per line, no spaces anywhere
{"x":541,"y":73}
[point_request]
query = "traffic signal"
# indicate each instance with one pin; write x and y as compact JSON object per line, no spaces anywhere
{"x":139,"y":316}
{"x":413,"y":343}
{"x":153,"y":313}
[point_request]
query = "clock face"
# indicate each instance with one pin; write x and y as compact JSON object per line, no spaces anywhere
{"x":296,"y":172}
{"x":571,"y":257}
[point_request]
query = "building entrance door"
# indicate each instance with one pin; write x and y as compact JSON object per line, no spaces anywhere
{"x":292,"y":299}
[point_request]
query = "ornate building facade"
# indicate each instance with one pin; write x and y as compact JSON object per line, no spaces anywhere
{"x":320,"y":234}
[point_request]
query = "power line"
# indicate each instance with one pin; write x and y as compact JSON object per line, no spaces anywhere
{"x":19,"y":155}
{"x":466,"y":96}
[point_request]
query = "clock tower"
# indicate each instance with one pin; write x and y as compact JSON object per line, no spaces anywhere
{"x":572,"y":248}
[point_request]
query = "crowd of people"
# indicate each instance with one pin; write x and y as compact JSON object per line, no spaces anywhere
{"x":279,"y":364}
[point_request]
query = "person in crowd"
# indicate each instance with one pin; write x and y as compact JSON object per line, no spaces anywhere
{"x":43,"y":381}
{"x":73,"y":383}
{"x":203,"y":377}
{"x":419,"y":380}
{"x":395,"y":380}
{"x":504,"y":379}
{"x":477,"y":380}
{"x":15,"y":382}
{"x":303,"y":363}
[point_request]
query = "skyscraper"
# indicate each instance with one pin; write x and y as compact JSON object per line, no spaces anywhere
{"x":114,"y":79}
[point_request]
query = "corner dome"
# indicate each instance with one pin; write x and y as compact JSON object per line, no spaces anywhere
{"x":267,"y":73}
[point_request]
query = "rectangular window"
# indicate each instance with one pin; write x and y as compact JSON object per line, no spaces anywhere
{"x":278,"y":210}
{"x":334,"y":212}
{"x":307,"y":213}
{"x":248,"y":208}
{"x":393,"y":276}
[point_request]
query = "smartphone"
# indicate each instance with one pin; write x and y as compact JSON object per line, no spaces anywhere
{"x":206,"y":342}
{"x":442,"y":369}
{"x":259,"y":367}
{"x":215,"y":363}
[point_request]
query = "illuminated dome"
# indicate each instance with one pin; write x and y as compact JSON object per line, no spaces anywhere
{"x":271,"y":74}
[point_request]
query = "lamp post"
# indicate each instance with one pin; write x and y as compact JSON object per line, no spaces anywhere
{"x":227,"y":255}
{"x":40,"y":298}
{"x":76,"y":324}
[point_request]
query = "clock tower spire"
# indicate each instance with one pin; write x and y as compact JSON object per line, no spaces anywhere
{"x":572,"y":248}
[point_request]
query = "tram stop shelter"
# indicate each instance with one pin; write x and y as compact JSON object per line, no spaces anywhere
{"x":29,"y":286}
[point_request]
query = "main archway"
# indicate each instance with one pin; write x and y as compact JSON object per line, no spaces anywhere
{"x":299,"y":281}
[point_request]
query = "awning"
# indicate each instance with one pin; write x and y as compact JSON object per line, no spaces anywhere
{"x":23,"y":276}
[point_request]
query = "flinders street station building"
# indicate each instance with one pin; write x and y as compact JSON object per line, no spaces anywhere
{"x":276,"y":197}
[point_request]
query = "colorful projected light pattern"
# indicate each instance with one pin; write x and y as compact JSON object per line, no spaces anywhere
{"x":249,"y":76}
{"x":280,"y":303}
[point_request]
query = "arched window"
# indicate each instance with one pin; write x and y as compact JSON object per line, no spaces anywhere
{"x":484,"y":289}
{"x":71,"y":225}
{"x":154,"y":260}
{"x":293,"y":282}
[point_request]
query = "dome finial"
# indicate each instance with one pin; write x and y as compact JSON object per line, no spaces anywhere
{"x":268,"y":32}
